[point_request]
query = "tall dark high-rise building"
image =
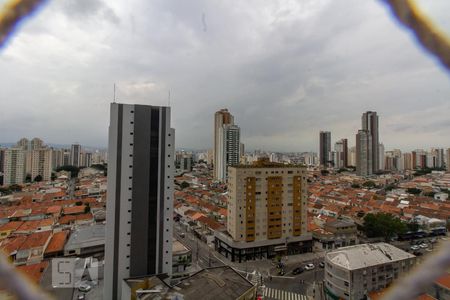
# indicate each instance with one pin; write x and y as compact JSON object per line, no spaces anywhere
{"x":140,"y":194}
{"x":325,"y":148}
{"x":369,"y":122}
{"x":75,"y":155}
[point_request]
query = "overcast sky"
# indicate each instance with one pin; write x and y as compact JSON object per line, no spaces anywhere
{"x":285,"y":69}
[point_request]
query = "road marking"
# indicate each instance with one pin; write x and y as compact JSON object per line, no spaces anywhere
{"x":277,"y":294}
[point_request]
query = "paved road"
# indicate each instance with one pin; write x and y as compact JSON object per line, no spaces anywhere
{"x":257,"y":271}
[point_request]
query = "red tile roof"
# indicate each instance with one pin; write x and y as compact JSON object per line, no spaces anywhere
{"x":57,"y":242}
{"x":36,"y":239}
{"x":11,"y":226}
{"x":74,"y":210}
{"x":444,"y":281}
{"x":34,"y":272}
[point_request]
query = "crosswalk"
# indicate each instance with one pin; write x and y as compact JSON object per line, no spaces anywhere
{"x":275,"y":294}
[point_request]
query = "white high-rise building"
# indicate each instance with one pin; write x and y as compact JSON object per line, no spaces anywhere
{"x":226,"y":143}
{"x":140,"y":194}
{"x":363,"y":153}
{"x":14,"y":166}
{"x":41,"y":163}
{"x":381,"y":156}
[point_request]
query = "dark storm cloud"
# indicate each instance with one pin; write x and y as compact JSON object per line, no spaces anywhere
{"x":285,"y":69}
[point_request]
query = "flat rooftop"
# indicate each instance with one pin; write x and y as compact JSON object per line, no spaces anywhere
{"x":86,"y":236}
{"x":366,"y":255}
{"x":219,"y":283}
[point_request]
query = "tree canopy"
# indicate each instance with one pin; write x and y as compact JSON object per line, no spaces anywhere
{"x":382,"y":225}
{"x":72,"y":169}
{"x":369,"y":184}
{"x":414,"y":191}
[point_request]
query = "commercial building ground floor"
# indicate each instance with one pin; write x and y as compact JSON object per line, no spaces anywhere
{"x":240,"y":252}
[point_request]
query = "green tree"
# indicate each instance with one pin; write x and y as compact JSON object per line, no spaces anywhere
{"x":324,"y":172}
{"x":413,"y":226}
{"x":78,"y":203}
{"x":53,"y":176}
{"x":429,"y":194}
{"x":72,"y":169}
{"x":184,"y":185}
{"x":87,"y":208}
{"x":382,"y":225}
{"x":355,"y":186}
{"x":414,"y":191}
{"x":369,"y":184}
{"x":28,"y":178}
{"x":38,"y":178}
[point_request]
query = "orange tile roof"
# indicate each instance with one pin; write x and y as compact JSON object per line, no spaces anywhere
{"x":34,"y":272}
{"x":13,"y":225}
{"x":72,"y":218}
{"x":73,"y":210}
{"x":36,"y":239}
{"x":57,"y":242}
{"x":12,"y":244}
{"x":425,"y":297}
{"x":54,"y":209}
{"x":444,"y":281}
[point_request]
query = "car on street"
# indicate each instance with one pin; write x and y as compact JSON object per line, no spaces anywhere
{"x":81,"y":297}
{"x":423,"y":246}
{"x":298,"y":270}
{"x":322,"y":264}
{"x":84,"y":287}
{"x":309,"y":267}
{"x":415,"y":247}
{"x":182,"y":235}
{"x":281,"y":272}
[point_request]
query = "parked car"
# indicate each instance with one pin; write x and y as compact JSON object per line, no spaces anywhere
{"x":309,"y":267}
{"x":423,"y":246}
{"x":84,"y":287}
{"x":415,"y":247}
{"x":322,"y":264}
{"x":297,"y":270}
{"x":182,"y":235}
{"x":281,"y":272}
{"x":81,"y":297}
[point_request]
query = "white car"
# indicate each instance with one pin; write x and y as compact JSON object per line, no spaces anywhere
{"x":423,"y":246}
{"x":84,"y":287}
{"x":309,"y":267}
{"x":415,"y":247}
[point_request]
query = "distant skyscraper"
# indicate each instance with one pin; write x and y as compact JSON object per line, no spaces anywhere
{"x":325,"y":148}
{"x":369,"y":121}
{"x":407,"y":161}
{"x":352,"y":156}
{"x":23,"y":143}
{"x":75,"y":155}
{"x":381,"y":156}
{"x":363,"y":153}
{"x":36,"y":143}
{"x":14,"y":166}
{"x":447,"y":154}
{"x":226,"y":143}
{"x":41,"y":163}
{"x":57,"y":158}
{"x":140,"y":194}
{"x":341,"y":154}
{"x":2,"y":160}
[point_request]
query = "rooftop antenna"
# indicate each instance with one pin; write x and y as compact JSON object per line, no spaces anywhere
{"x":114,"y":99}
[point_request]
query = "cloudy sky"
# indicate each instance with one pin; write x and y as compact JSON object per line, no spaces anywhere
{"x":286,"y":70}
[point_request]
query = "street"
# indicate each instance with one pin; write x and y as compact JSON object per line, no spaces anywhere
{"x":263,"y":272}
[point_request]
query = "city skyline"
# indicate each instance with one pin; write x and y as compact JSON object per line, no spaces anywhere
{"x":283,"y":94}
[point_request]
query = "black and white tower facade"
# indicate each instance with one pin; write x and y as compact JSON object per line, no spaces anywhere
{"x":140,"y":194}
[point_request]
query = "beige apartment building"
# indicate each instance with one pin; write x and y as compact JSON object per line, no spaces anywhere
{"x":41,"y":163}
{"x":267,"y":206}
